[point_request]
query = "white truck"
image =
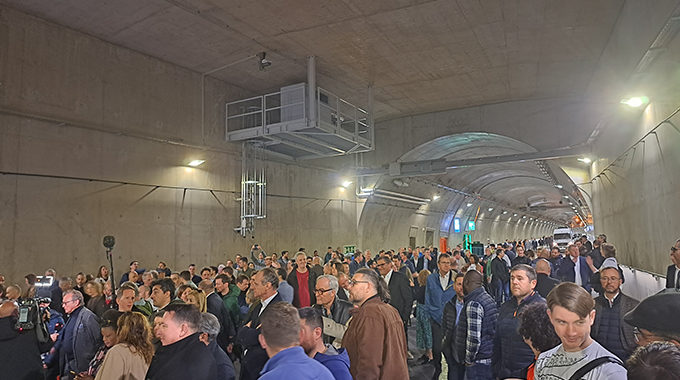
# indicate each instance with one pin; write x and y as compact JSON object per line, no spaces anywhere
{"x":562,"y":237}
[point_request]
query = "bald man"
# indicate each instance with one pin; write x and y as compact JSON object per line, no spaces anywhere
{"x":544,"y":283}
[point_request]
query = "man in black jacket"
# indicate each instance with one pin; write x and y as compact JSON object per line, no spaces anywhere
{"x":450,"y":319}
{"x":336,"y":312}
{"x":264,"y":285}
{"x":544,"y":283}
{"x":303,"y":281}
{"x":183,"y":355}
{"x":401,"y":295}
{"x":216,"y":307}
{"x":673,"y":272}
{"x":500,"y":277}
{"x":511,"y":355}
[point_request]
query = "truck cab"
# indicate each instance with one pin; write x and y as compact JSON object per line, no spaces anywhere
{"x":562,"y":237}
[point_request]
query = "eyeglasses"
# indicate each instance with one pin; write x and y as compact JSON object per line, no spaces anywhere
{"x":322,"y":291}
{"x":639,"y":335}
{"x":382,"y":264}
{"x":354,"y":282}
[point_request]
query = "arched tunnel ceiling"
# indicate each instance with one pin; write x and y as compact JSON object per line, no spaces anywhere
{"x":517,"y":186}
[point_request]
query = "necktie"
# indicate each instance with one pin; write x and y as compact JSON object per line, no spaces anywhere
{"x":677,"y":279}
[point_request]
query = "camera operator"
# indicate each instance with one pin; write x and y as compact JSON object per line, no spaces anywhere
{"x":19,"y":348}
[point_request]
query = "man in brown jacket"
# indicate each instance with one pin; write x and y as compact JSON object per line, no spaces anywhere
{"x":375,"y":339}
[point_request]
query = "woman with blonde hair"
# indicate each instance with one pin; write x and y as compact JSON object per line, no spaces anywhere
{"x":130,"y":358}
{"x":196,"y":298}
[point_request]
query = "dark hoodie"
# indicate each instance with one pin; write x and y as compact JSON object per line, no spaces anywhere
{"x":188,"y":358}
{"x":337,"y":361}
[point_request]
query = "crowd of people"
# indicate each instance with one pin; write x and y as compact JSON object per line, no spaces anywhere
{"x":522,"y":310}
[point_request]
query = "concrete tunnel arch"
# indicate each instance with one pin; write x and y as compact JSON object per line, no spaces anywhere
{"x":509,"y":187}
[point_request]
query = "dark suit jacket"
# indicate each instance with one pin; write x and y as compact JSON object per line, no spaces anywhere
{"x":401,"y":295}
{"x":566,"y":271}
{"x":431,"y":264}
{"x":670,"y":276}
{"x":342,"y":295}
{"x":545,"y":283}
{"x":256,"y":357}
{"x":216,"y":307}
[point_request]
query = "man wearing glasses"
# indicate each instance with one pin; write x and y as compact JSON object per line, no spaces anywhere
{"x":656,"y":319}
{"x":335,"y":312}
{"x":80,"y":338}
{"x":609,"y":329}
{"x":375,"y":339}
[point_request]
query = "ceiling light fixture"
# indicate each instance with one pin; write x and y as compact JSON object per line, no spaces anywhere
{"x":559,"y":186}
{"x":635,"y":101}
{"x":435,"y":197}
{"x":195,"y":163}
{"x":585,"y":160}
{"x":469,"y":204}
{"x":490,"y":209}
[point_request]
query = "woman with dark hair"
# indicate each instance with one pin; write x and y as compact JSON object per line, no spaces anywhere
{"x":657,"y":360}
{"x":537,"y":331}
{"x":108,"y":325}
{"x":102,"y":274}
{"x":30,"y":283}
{"x":130,"y":358}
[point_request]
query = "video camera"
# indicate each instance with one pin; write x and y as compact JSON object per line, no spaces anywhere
{"x":32,"y":316}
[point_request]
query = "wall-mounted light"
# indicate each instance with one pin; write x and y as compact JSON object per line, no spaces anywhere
{"x":505,"y":212}
{"x":635,"y":101}
{"x":469,"y":204}
{"x":435,"y":197}
{"x":490,"y":209}
{"x":559,"y":186}
{"x":514,"y":214}
{"x":196,"y":163}
{"x":346,"y":184}
{"x":585,"y":160}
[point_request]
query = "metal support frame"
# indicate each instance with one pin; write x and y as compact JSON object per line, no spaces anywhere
{"x":253,"y":187}
{"x":295,"y":123}
{"x":440,"y":166}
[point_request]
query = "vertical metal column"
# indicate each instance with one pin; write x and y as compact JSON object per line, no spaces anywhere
{"x":311,"y":90}
{"x":253,"y":187}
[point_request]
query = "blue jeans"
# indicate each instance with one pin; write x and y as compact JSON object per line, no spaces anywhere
{"x":478,"y":372}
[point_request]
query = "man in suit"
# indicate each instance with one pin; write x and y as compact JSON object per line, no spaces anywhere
{"x":574,"y":268}
{"x":264,"y":285}
{"x":673,"y":273}
{"x":401,"y":296}
{"x":80,"y":337}
{"x":216,"y":307}
{"x":426,"y":262}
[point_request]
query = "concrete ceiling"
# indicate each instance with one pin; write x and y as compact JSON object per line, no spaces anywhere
{"x":420,"y":55}
{"x":521,"y":186}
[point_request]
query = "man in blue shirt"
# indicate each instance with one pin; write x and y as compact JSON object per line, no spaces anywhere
{"x":280,"y":337}
{"x":439,"y":290}
{"x":311,"y":340}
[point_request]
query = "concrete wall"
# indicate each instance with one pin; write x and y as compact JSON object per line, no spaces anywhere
{"x":74,"y":106}
{"x":636,"y":202}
